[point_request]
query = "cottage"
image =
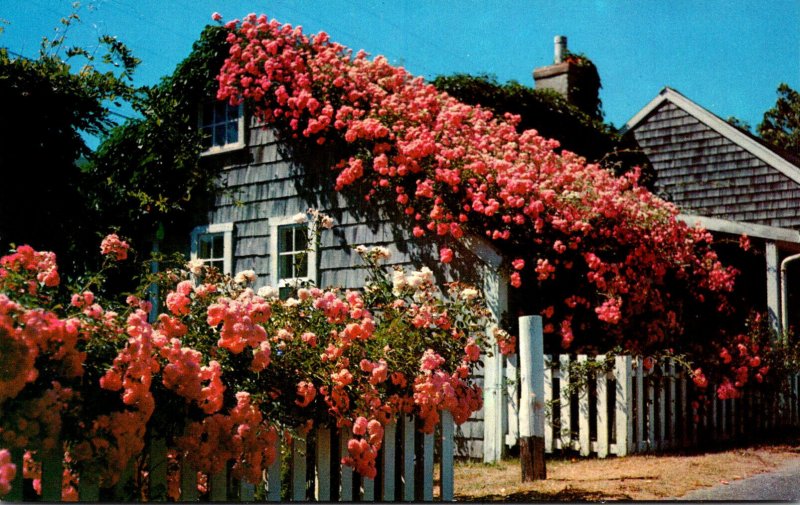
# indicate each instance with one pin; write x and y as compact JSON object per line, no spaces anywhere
{"x":731,"y":183}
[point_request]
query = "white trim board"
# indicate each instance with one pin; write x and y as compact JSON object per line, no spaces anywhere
{"x":739,"y":228}
{"x":728,"y":131}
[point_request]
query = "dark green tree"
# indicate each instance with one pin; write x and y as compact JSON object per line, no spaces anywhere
{"x":148,"y":176}
{"x":781,"y":124}
{"x":49,"y":103}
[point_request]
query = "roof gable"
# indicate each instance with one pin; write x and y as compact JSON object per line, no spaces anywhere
{"x":735,"y":135}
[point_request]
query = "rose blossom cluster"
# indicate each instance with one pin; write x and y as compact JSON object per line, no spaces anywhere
{"x":450,"y":166}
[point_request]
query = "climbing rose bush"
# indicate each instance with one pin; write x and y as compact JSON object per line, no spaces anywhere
{"x":605,"y":261}
{"x":226,"y":369}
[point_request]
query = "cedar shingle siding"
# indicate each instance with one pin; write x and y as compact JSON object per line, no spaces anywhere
{"x":261,"y":184}
{"x":705,"y":173}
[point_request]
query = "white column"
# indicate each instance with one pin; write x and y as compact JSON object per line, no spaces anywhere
{"x":773,"y":285}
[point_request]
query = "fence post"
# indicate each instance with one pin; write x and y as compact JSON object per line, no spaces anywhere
{"x":158,"y":468}
{"x":408,"y":458}
{"x":531,"y":414}
{"x":346,"y":479}
{"x":298,"y":469}
{"x":673,"y":433}
{"x":188,"y":481}
{"x":624,"y":405}
{"x":494,"y":410}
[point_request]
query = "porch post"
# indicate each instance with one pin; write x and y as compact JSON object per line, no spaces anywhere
{"x":773,"y":286}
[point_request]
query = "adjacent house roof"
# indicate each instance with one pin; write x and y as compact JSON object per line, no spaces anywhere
{"x":710,"y":168}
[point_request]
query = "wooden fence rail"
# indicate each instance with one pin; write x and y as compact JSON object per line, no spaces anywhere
{"x":307,"y":469}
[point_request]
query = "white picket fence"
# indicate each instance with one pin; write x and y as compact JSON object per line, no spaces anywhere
{"x":631,"y":410}
{"x":408,"y":462}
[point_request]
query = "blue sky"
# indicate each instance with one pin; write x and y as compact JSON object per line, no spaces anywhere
{"x":727,"y":55}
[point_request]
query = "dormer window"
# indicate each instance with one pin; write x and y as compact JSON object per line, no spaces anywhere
{"x":221,"y":126}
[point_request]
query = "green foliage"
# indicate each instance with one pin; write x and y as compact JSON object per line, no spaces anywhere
{"x":49,"y":103}
{"x":781,"y":124}
{"x":545,"y":111}
{"x":148,"y":172}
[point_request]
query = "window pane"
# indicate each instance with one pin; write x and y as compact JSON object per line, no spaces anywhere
{"x":217,"y":264}
{"x":285,"y":238}
{"x":233,"y":132}
{"x":285,"y":266}
{"x":206,"y":133}
{"x":204,"y":249}
{"x":301,"y":238}
{"x":220,"y":108}
{"x":284,"y":292}
{"x":301,"y":268}
{"x":219,"y":135}
{"x":219,"y":246}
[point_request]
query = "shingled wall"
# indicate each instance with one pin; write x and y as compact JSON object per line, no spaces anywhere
{"x":261,"y":184}
{"x":705,"y":173}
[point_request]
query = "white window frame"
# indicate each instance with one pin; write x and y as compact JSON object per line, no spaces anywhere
{"x":226,"y":229}
{"x":227,"y":147}
{"x":311,"y":275}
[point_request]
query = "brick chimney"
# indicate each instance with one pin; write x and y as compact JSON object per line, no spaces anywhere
{"x":573,"y":77}
{"x":559,"y":76}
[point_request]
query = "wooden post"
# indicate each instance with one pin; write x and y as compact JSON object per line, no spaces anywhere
{"x":88,"y":487}
{"x":219,"y":486}
{"x":531,"y":414}
{"x":773,"y":286}
{"x":640,"y":415}
{"x":673,"y":432}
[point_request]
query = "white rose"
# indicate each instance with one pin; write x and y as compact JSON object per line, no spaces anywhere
{"x":245,"y":276}
{"x":267,"y":292}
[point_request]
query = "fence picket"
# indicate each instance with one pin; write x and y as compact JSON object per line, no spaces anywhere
{"x":367,"y":489}
{"x":120,"y":491}
{"x":52,"y":470}
{"x":662,"y":409}
{"x":651,"y":413}
{"x":388,"y":462}
{"x":274,"y":475}
{"x":684,"y":410}
{"x":218,"y":483}
{"x":88,"y":488}
{"x":512,"y":400}
{"x":583,"y":414}
{"x":427,"y":467}
{"x":640,"y":415}
{"x":188,"y":482}
{"x":565,"y":426}
{"x":247,"y":491}
{"x":602,"y":412}
{"x":673,"y":413}
{"x":322,"y":466}
{"x":346,"y":478}
{"x":624,"y":404}
{"x":158,"y":468}
{"x":446,"y":451}
{"x":15,"y":494}
{"x":408,"y":458}
{"x":548,"y":401}
{"x":298,"y":473}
